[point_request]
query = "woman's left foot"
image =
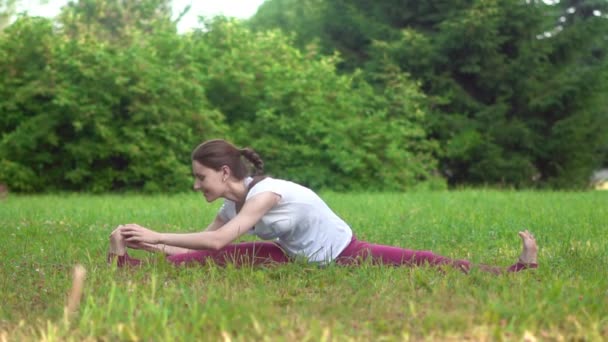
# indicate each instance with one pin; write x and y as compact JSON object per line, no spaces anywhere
{"x":529,"y":253}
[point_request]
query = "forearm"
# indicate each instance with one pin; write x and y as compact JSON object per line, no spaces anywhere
{"x":173,"y":250}
{"x":162,"y":248}
{"x":213,"y":240}
{"x":203,"y":240}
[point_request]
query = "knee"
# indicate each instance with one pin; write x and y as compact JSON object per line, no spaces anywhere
{"x":176,"y":259}
{"x":188,"y":258}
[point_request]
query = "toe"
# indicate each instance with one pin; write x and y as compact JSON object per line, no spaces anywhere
{"x":526,"y":235}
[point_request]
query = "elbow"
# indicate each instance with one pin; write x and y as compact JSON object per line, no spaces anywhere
{"x":217,"y":245}
{"x":216,"y":241}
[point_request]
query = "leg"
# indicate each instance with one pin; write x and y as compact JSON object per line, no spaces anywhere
{"x":246,"y":253}
{"x":358,"y":251}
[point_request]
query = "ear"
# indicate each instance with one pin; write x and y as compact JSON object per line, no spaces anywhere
{"x":226,"y":172}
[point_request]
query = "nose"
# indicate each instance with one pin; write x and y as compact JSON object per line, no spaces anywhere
{"x":197,"y":185}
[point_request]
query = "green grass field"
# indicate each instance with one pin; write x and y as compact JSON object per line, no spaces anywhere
{"x":43,"y":237}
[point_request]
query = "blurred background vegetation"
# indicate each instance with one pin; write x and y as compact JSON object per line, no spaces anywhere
{"x":334,"y":94}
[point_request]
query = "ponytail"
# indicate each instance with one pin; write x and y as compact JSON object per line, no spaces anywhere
{"x":217,"y":153}
{"x":254,"y":158}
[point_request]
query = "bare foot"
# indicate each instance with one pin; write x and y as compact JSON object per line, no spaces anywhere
{"x":117,"y":244}
{"x":530,"y":249}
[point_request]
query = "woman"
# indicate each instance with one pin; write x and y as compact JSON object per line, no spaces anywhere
{"x":298,"y":222}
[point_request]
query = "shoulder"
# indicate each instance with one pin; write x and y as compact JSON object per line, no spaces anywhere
{"x":278,"y":186}
{"x":288,"y":191}
{"x":228,"y":204}
{"x":227,"y":210}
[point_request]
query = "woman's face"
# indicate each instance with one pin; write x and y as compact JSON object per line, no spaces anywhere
{"x":210,"y":182}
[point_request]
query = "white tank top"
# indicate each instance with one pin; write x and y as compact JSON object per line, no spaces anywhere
{"x":301,"y":222}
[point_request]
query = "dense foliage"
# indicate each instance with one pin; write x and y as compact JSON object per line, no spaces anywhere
{"x":516,"y":87}
{"x":114,"y":98}
{"x":310,"y":124}
{"x":333,"y":94}
{"x":82,"y":111}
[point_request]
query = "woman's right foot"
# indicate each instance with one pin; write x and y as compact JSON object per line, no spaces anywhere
{"x":122,"y":260}
{"x":118,"y":251}
{"x":118,"y":245}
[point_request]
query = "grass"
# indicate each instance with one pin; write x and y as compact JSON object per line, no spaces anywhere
{"x":43,"y":237}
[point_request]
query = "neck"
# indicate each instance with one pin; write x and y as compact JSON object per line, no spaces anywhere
{"x":236,"y":191}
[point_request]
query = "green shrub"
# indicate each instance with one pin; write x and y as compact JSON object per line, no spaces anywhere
{"x":81,"y":113}
{"x":309,"y":123}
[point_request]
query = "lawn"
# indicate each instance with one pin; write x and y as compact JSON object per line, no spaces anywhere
{"x":44,"y":236}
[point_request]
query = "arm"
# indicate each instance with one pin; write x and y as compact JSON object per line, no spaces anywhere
{"x":164,"y":248}
{"x":158,"y":247}
{"x":252,"y":212}
{"x":172,"y":250}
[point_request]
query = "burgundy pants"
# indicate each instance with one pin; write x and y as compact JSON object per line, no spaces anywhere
{"x":260,"y":253}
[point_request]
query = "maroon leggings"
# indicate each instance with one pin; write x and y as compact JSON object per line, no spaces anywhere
{"x":260,"y":253}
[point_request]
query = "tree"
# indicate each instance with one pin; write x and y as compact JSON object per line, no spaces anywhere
{"x":510,"y":102}
{"x":8,"y":9}
{"x":115,"y":20}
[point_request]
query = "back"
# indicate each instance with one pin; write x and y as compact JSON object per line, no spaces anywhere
{"x":301,"y":222}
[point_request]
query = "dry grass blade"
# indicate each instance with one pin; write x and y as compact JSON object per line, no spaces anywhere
{"x":77,"y":286}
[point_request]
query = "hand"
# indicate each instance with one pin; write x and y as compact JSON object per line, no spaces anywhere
{"x":137,"y":234}
{"x":145,"y":246}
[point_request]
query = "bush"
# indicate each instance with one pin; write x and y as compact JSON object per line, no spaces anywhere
{"x":309,"y":123}
{"x":100,"y":106}
{"x":86,"y":114}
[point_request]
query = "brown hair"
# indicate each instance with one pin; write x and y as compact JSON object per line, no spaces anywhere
{"x":216,"y":153}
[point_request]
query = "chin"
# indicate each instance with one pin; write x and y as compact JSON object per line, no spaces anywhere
{"x":209,"y":198}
